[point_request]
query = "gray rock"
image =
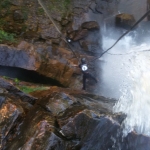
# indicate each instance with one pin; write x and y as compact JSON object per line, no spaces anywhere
{"x":90,"y":25}
{"x":80,"y":34}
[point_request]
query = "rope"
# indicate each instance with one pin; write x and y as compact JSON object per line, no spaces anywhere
{"x":62,"y":36}
{"x":123,"y":35}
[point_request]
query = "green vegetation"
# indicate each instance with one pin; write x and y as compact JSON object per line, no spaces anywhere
{"x":16,"y":81}
{"x":4,"y":7}
{"x":25,"y":12}
{"x":27,"y":89}
{"x":6,"y":37}
{"x":40,"y":11}
{"x":59,"y":5}
{"x":4,"y":3}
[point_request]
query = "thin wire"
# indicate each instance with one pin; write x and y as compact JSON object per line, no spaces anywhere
{"x":62,"y":36}
{"x":123,"y":34}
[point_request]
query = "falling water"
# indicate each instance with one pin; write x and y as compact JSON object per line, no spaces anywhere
{"x":126,"y":76}
{"x":135,"y":100}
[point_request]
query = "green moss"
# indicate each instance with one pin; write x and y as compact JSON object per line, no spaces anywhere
{"x":40,"y":11}
{"x":27,"y":89}
{"x":4,"y":3}
{"x":6,"y":37}
{"x":25,"y":12}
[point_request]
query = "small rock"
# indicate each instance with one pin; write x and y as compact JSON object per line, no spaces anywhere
{"x":125,"y":21}
{"x":90,"y":25}
{"x":64,"y":22}
{"x":80,"y":34}
{"x":18,"y":16}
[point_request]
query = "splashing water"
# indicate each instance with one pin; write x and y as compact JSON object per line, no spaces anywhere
{"x":129,"y":75}
{"x":135,"y":101}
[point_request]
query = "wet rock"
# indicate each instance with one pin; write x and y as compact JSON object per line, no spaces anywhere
{"x":16,"y":2}
{"x":53,"y":64}
{"x":56,"y":103}
{"x":93,"y":133}
{"x":57,"y":70}
{"x":125,"y":21}
{"x":50,"y":32}
{"x":63,"y":119}
{"x":107,"y":7}
{"x":71,"y":34}
{"x":55,"y":41}
{"x":18,"y":58}
{"x":10,"y":112}
{"x":81,"y":13}
{"x":80,"y":34}
{"x":90,"y":46}
{"x":90,"y":25}
{"x":12,"y":90}
{"x":31,"y":35}
{"x":136,"y":141}
{"x":64,"y":22}
{"x":18,"y":16}
{"x":81,"y":4}
{"x":38,"y":133}
{"x":14,"y":27}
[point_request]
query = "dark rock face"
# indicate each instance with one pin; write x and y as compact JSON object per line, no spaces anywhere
{"x":48,"y":62}
{"x":90,"y":25}
{"x":135,"y":141}
{"x":18,"y":16}
{"x":106,"y":7}
{"x":80,"y":34}
{"x":125,"y":21}
{"x":49,"y":32}
{"x":16,"y":58}
{"x":63,"y":119}
{"x":13,"y":91}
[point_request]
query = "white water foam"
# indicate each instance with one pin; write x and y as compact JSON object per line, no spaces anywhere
{"x":129,"y":75}
{"x":135,"y":101}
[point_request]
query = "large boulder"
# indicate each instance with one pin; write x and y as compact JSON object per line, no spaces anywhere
{"x":53,"y":62}
{"x":90,"y":25}
{"x":63,"y":119}
{"x":80,"y":34}
{"x":125,"y":21}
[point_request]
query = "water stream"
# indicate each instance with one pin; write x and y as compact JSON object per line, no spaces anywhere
{"x":125,"y":70}
{"x":125,"y":76}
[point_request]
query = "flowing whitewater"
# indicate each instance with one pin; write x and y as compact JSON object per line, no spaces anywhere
{"x":126,"y":76}
{"x":135,"y":97}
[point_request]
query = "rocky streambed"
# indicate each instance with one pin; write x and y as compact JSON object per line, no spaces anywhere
{"x":62,"y":119}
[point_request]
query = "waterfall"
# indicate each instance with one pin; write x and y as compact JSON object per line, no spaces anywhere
{"x":126,"y":76}
{"x":135,"y":100}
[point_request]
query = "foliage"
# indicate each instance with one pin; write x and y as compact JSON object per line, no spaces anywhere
{"x":27,"y":89}
{"x":16,"y":81}
{"x":59,"y":5}
{"x":5,"y":3}
{"x":6,"y":37}
{"x":40,"y":11}
{"x":4,"y":7}
{"x":25,"y":12}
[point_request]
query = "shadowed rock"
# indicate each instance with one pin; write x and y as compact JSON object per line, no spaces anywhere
{"x":125,"y":21}
{"x":90,"y":25}
{"x":50,"y":62}
{"x":80,"y":34}
{"x":63,"y":119}
{"x":12,"y":90}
